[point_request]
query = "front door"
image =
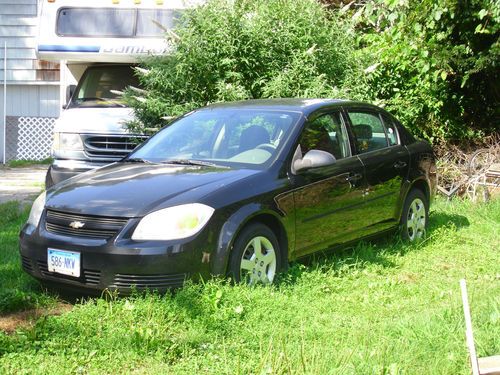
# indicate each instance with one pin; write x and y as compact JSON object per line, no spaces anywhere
{"x":328,"y":200}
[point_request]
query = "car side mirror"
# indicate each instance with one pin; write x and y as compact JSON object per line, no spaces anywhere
{"x":314,"y":159}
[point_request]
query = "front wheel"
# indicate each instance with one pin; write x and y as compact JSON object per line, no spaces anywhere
{"x":256,"y":256}
{"x":415,"y":216}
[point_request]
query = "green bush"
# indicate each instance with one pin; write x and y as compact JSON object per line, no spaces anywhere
{"x":434,"y":63}
{"x":231,"y":50}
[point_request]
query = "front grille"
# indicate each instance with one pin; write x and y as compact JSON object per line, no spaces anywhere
{"x":149,"y":281}
{"x":84,"y":226}
{"x":116,"y":146}
{"x":92,"y":277}
{"x":89,"y":277}
{"x":26,"y":264}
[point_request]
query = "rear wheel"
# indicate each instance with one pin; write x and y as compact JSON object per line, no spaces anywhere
{"x":256,"y":257}
{"x":415,"y":216}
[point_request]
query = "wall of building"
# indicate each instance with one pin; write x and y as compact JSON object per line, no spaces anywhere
{"x":33,"y":86}
{"x":32,"y":100}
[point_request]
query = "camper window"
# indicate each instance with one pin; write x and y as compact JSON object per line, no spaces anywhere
{"x":112,"y":22}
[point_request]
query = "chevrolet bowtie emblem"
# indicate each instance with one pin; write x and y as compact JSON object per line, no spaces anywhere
{"x":76,"y":224}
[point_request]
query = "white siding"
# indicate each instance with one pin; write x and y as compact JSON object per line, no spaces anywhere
{"x":14,"y":42}
{"x":49,"y":101}
{"x":18,"y":53}
{"x":14,"y":20}
{"x":18,"y":64}
{"x":23,"y":9}
{"x":27,"y":95}
{"x":18,"y":28}
{"x":19,"y":75}
{"x":32,"y":100}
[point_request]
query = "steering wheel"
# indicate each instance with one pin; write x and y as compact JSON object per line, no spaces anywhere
{"x":267,"y":147}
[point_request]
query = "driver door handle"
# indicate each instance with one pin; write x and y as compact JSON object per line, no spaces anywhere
{"x":400,"y":164}
{"x":354,"y":177}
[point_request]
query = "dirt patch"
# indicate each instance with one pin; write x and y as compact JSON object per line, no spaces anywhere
{"x":27,"y":318}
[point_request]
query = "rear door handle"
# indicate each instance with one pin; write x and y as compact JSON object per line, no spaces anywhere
{"x":400,"y":164}
{"x":354,"y":177}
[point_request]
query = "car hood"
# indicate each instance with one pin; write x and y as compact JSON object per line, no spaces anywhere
{"x":133,"y":190}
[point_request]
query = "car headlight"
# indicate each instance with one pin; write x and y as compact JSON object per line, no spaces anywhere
{"x":173,"y":223}
{"x":36,"y":210}
{"x":67,"y":142}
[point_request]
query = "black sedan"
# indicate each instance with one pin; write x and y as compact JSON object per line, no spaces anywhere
{"x":236,"y":189}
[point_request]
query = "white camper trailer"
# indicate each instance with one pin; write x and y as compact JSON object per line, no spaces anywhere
{"x":98,"y":42}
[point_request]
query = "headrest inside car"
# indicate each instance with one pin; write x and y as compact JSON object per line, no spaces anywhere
{"x":363,"y":131}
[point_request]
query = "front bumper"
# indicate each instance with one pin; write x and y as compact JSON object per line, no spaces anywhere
{"x":116,"y":264}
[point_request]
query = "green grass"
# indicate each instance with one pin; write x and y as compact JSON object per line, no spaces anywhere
{"x":17,"y":290}
{"x":381,"y":308}
{"x":28,"y":163}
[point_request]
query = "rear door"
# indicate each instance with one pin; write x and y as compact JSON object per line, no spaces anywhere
{"x":386,"y":164}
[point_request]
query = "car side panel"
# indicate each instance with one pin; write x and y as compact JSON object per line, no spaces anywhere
{"x":279,"y":209}
{"x":386,"y":171}
{"x":422,"y":170}
{"x":328,"y":205}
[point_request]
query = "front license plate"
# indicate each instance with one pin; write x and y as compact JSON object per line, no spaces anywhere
{"x":64,"y":262}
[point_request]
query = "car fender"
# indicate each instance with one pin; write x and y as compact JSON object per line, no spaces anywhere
{"x":408,"y":186}
{"x":230,"y":229}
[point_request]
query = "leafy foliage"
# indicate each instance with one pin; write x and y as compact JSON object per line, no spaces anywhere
{"x":232,"y":50}
{"x":434,"y":63}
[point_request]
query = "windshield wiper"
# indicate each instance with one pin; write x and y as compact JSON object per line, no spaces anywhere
{"x":192,"y":162}
{"x":137,"y":160}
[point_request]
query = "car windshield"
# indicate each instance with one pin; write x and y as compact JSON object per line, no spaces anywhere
{"x":221,"y":136}
{"x":100,"y":86}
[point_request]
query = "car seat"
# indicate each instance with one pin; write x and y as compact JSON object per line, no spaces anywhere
{"x":252,"y":137}
{"x":363,"y":134}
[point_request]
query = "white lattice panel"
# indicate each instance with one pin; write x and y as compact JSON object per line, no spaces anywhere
{"x":35,"y":137}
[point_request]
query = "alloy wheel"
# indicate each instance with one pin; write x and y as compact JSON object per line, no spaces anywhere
{"x":258,"y":262}
{"x":415,"y":223}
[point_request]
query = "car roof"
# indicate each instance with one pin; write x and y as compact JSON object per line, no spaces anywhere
{"x":305,"y":106}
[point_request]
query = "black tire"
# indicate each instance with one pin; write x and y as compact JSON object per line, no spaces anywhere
{"x":246,"y":264}
{"x":415,"y":216}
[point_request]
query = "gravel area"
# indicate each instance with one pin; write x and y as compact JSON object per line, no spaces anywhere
{"x":21,"y":184}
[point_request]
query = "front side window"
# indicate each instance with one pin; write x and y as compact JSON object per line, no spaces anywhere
{"x":227,"y":136}
{"x":326,"y":133}
{"x":368,"y":131}
{"x":115,"y":22}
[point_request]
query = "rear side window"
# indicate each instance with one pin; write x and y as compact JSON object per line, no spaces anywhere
{"x":95,"y":22}
{"x":392,"y":133}
{"x":154,"y":22}
{"x":369,"y":132}
{"x":115,"y":22}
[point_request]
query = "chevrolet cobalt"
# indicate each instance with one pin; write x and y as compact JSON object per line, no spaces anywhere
{"x":236,"y":189}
